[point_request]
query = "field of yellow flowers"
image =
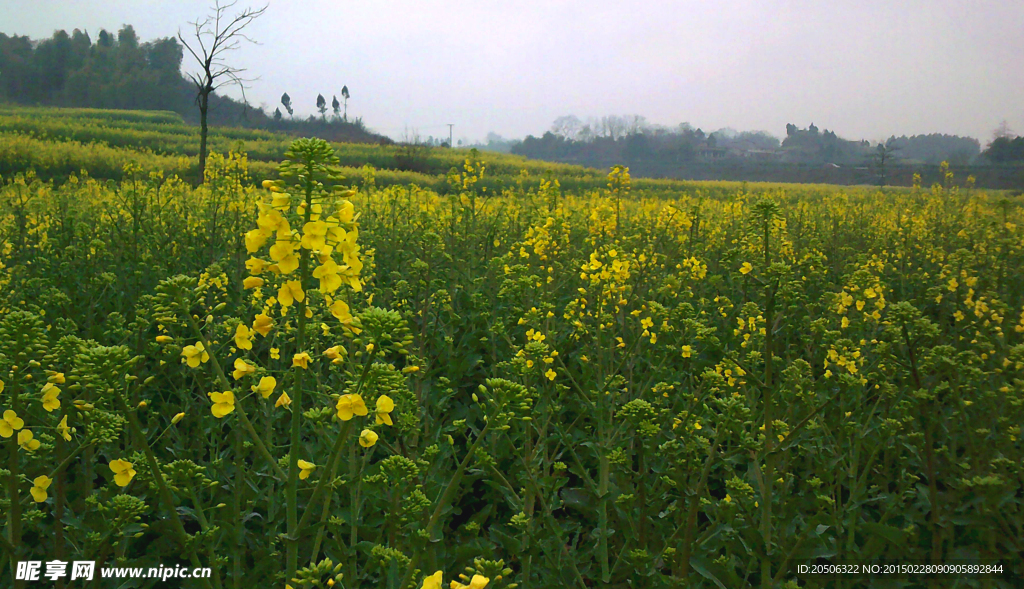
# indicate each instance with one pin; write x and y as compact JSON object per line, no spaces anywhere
{"x":306,"y":383}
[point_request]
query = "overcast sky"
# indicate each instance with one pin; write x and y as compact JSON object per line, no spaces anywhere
{"x":865,"y":68}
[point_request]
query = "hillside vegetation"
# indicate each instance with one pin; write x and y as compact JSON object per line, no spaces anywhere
{"x":56,"y":143}
{"x":122,"y":72}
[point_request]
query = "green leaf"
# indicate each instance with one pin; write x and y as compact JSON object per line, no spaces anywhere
{"x":701,"y":566}
{"x":894,"y":535}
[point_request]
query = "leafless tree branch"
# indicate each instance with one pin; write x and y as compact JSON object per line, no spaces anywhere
{"x":211,"y":39}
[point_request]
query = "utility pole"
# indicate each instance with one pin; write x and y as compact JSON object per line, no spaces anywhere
{"x":450,"y":126}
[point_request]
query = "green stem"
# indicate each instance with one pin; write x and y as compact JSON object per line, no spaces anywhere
{"x":444,"y":500}
{"x":60,"y":467}
{"x":165,"y":492}
{"x":7,"y":547}
{"x":58,"y":507}
{"x":769,"y":458}
{"x":13,"y":493}
{"x":204,"y":525}
{"x":336,"y":450}
{"x":332,"y":462}
{"x":353,"y":528}
{"x":236,"y":507}
{"x":200,"y":513}
{"x":256,"y":440}
{"x":323,"y":517}
{"x":552,"y":523}
{"x":691,"y":514}
{"x":292,"y":488}
{"x":602,"y":514}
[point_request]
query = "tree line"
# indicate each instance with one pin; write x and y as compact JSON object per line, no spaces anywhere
{"x":633,"y":141}
{"x":119,"y":71}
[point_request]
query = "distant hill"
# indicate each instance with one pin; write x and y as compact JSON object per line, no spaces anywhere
{"x":120,"y":72}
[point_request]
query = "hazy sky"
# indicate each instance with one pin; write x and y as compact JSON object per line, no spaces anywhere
{"x":864,"y":68}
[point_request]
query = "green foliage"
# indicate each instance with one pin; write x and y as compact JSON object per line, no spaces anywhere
{"x":713,"y":386}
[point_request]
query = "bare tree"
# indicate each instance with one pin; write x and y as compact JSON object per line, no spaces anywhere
{"x":883,"y":158}
{"x":1002,"y":131}
{"x":614,"y":126}
{"x":637,"y":124}
{"x":567,"y":126}
{"x":214,"y":37}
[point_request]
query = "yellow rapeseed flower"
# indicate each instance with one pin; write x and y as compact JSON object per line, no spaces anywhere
{"x":243,"y":337}
{"x":56,"y":378}
{"x":10,"y":423}
{"x":256,"y":265}
{"x":281,"y":249}
{"x":195,"y":355}
{"x":283,"y":252}
{"x":123,"y":472}
{"x":477,"y":582}
{"x":255,"y":239}
{"x":27,"y":441}
{"x":253,"y":282}
{"x":350,"y":405}
{"x":346,"y":211}
{"x":342,"y":313}
{"x":434,"y":581}
{"x":288,"y":264}
{"x":314,"y":235}
{"x":746,"y":268}
{"x":367,"y":438}
{"x":223,"y":403}
{"x":290,"y":292}
{"x":51,"y":402}
{"x":305,"y":469}
{"x":265,"y":387}
{"x":301,"y":360}
{"x":242,"y":369}
{"x":329,"y":275}
{"x":39,"y":487}
{"x":350,"y":275}
{"x":384,"y":408}
{"x":63,"y":429}
{"x":283,"y":401}
{"x":336,"y":354}
{"x":262,"y":324}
